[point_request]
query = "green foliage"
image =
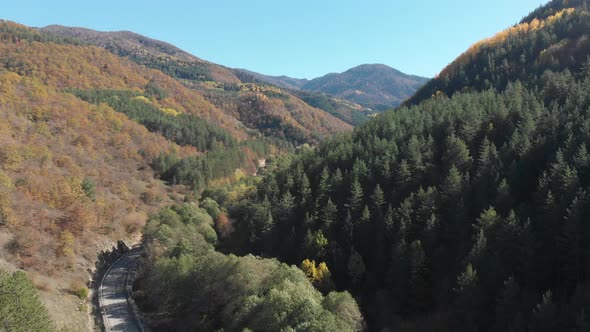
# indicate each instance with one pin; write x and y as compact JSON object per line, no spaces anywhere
{"x":20,"y":307}
{"x":184,"y":129}
{"x":333,"y":106}
{"x":245,"y":292}
{"x":89,"y":188}
{"x":492,"y":180}
{"x":186,"y":224}
{"x":193,"y":287}
{"x":81,"y":292}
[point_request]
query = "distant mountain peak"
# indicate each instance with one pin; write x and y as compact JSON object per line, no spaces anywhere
{"x":372,"y":85}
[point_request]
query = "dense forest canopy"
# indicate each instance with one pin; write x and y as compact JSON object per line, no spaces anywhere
{"x":464,"y":213}
{"x":189,"y":286}
{"x":487,"y":189}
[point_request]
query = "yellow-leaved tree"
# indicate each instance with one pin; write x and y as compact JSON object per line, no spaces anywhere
{"x":319,"y":275}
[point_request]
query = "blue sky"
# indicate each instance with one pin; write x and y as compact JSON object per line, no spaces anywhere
{"x":298,"y":38}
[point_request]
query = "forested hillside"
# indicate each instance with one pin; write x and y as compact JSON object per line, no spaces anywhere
{"x":87,"y":136}
{"x":464,"y":210}
{"x":465,"y":213}
{"x":82,"y":130}
{"x":554,"y":37}
{"x":187,"y":286}
{"x":273,"y":111}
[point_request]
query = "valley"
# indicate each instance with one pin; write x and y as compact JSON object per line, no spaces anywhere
{"x":367,"y":200}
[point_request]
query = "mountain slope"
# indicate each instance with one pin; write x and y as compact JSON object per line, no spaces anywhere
{"x":460,"y":213}
{"x":146,"y":51}
{"x":345,"y":110}
{"x":283,"y":81}
{"x":272,"y":111}
{"x":554,"y":37}
{"x":373,"y":85}
{"x":74,"y":176}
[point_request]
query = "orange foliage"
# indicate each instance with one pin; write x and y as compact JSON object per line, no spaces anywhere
{"x":223,"y":226}
{"x":501,"y":37}
{"x":68,"y":66}
{"x":51,"y":142}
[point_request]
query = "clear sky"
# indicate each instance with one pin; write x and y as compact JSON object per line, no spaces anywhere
{"x":298,"y":38}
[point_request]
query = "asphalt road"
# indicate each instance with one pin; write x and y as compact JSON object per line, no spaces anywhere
{"x":116,"y":309}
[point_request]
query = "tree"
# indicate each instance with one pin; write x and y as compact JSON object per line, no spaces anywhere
{"x":89,"y":188}
{"x":323,"y":191}
{"x":329,"y":214}
{"x":20,"y":306}
{"x":355,"y":198}
{"x":284,"y":209}
{"x":315,"y":243}
{"x":319,"y":274}
{"x":456,"y":154}
{"x":468,"y":301}
{"x":377,"y":201}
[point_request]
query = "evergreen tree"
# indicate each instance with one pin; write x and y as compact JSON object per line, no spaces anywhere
{"x":329,"y":214}
{"x":468,"y":301}
{"x":355,"y":197}
{"x":377,"y":202}
{"x":20,"y":306}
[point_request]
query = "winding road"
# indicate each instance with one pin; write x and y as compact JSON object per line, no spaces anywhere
{"x":114,"y":296}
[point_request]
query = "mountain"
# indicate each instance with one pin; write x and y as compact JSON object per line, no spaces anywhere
{"x":146,"y":51}
{"x":373,"y":85}
{"x":272,"y":111}
{"x":345,"y":110}
{"x":376,"y":86}
{"x":465,"y":210}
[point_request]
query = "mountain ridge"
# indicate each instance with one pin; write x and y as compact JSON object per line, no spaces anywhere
{"x":267,"y":109}
{"x":372,"y":85}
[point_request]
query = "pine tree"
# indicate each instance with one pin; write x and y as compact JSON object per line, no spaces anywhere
{"x":403,"y":176}
{"x":304,"y":192}
{"x":503,"y":197}
{"x":21,"y":310}
{"x":323,"y":191}
{"x":284,"y":209}
{"x":329,"y":214}
{"x":377,"y":202}
{"x":582,"y":163}
{"x":468,"y":301}
{"x":389,"y":224}
{"x":355,"y":198}
{"x":456,"y":154}
{"x":402,"y":219}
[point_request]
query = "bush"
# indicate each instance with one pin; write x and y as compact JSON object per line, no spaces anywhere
{"x":81,"y":291}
